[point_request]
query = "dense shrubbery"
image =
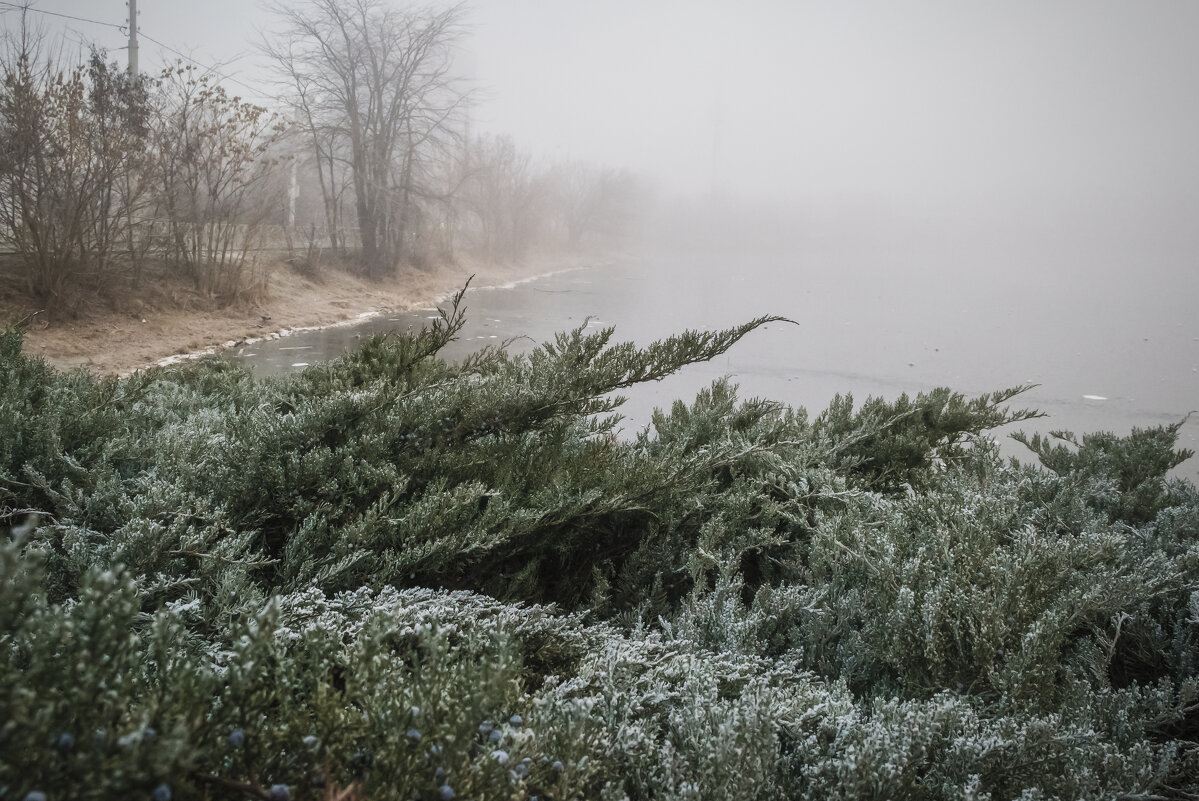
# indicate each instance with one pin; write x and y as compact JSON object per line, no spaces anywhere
{"x":404,"y":578}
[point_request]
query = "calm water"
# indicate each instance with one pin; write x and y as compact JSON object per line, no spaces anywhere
{"x":1110,"y":335}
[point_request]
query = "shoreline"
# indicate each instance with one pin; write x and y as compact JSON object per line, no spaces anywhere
{"x":361,"y":317}
{"x":137,"y":334}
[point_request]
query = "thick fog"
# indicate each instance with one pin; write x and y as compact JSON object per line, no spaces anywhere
{"x":939,"y":105}
{"x":943,"y":108}
{"x":971,"y":194}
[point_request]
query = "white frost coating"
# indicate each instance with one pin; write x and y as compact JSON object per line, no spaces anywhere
{"x":183,"y":606}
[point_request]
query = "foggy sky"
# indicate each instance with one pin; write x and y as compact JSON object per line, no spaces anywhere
{"x":935,"y":107}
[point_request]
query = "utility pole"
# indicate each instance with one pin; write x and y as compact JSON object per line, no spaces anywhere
{"x":133,"y":38}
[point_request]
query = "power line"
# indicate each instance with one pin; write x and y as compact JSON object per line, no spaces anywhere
{"x":257,"y":91}
{"x":64,"y":16}
{"x":123,"y":28}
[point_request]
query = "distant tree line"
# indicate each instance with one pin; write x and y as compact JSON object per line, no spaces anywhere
{"x":381,"y":124}
{"x":108,"y":179}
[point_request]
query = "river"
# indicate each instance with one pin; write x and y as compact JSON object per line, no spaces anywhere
{"x":1109,"y":334}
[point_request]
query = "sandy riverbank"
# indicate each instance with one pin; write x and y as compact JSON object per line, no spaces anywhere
{"x":143,"y":332}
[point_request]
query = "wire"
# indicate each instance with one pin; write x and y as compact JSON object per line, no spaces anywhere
{"x":257,"y":91}
{"x":143,"y":35}
{"x":123,"y":28}
{"x":27,"y":7}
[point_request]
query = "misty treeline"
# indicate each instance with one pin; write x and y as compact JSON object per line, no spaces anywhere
{"x":109,"y":181}
{"x":385,"y":131}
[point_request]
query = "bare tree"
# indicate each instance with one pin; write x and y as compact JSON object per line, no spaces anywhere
{"x":214,"y":159}
{"x":72,"y":169}
{"x":598,"y":205}
{"x":119,"y":117}
{"x":373,"y":88}
{"x":506,"y":197}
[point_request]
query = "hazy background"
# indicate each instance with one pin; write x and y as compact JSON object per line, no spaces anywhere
{"x":962,"y":193}
{"x":943,"y":108}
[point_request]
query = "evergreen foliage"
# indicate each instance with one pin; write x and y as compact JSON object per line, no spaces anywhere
{"x":393,"y":576}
